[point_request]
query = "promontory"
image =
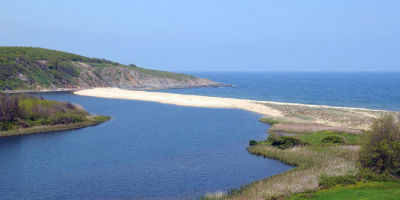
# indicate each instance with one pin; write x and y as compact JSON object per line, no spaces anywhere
{"x":38,"y":69}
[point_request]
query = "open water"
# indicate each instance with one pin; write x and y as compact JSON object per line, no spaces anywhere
{"x":147,"y":151}
{"x":373,"y":90}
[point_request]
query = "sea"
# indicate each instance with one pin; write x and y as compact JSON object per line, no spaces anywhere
{"x":372,"y":90}
{"x":156,"y":151}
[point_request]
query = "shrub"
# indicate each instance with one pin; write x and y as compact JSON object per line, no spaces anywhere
{"x":23,"y":111}
{"x":275,"y":140}
{"x":333,"y":139}
{"x":284,"y":142}
{"x":326,"y":181}
{"x":380,"y":152}
{"x":252,"y":142}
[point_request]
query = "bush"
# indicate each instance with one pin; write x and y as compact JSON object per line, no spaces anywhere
{"x":275,"y":140}
{"x":253,"y":142}
{"x":284,"y":142}
{"x":380,"y":153}
{"x":326,"y":181}
{"x":368,"y":175}
{"x":333,"y":139}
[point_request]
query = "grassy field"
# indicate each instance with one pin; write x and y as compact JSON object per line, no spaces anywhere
{"x":371,"y":190}
{"x":316,"y":138}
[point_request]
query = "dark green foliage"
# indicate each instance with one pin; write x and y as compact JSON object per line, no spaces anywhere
{"x":23,"y":111}
{"x":380,"y":153}
{"x":284,"y":142}
{"x":253,"y":142}
{"x":326,"y":181}
{"x":333,"y":139}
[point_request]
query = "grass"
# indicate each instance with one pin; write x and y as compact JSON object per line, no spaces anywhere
{"x":93,"y":120}
{"x":371,"y":190}
{"x":311,"y":162}
{"x":319,"y":165}
{"x":271,"y":121}
{"x":316,"y":138}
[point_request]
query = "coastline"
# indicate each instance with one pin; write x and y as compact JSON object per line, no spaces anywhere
{"x":286,"y":113}
{"x":93,"y":121}
{"x":311,"y":161}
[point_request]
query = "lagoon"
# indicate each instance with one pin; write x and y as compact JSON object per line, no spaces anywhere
{"x":147,"y":151}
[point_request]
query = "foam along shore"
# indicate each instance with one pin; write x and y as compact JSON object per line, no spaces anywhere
{"x":329,"y":116}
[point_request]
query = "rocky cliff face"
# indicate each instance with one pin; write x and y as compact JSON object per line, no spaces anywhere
{"x":136,"y":78}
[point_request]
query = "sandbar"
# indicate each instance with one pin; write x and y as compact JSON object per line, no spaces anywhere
{"x":354,"y":118}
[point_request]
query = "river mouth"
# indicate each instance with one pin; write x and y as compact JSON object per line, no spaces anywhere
{"x":147,"y":151}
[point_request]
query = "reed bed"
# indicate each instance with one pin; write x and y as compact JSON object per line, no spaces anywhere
{"x":310,"y":161}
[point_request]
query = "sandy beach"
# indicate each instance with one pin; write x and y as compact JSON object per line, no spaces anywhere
{"x":328,"y":116}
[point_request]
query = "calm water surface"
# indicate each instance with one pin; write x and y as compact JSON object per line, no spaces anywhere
{"x":373,"y":90}
{"x":147,"y":151}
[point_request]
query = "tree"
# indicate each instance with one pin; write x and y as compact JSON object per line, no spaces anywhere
{"x":381,"y":150}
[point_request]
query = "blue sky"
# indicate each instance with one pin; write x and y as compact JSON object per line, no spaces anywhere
{"x":214,"y":35}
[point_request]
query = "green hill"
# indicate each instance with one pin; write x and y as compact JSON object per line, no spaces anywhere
{"x":35,"y":69}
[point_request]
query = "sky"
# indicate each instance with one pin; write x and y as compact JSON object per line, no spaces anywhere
{"x":213,"y":35}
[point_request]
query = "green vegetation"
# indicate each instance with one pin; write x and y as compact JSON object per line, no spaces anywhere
{"x":361,"y":190}
{"x":329,"y":165}
{"x":25,"y":114}
{"x":27,"y":68}
{"x":284,"y":142}
{"x":333,"y":139}
{"x":270,"y":121}
{"x":323,"y":137}
{"x":162,"y":74}
{"x":253,"y":142}
{"x":381,"y":151}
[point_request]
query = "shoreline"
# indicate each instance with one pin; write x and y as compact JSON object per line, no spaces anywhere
{"x":286,"y":113}
{"x":94,"y":120}
{"x":310,"y":161}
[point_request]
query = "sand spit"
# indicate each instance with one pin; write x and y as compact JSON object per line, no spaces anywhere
{"x":290,"y":113}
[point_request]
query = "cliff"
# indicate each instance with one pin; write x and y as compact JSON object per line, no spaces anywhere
{"x":37,"y":69}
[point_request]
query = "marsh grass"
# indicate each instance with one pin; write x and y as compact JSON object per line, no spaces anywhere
{"x":311,"y":163}
{"x":271,"y":121}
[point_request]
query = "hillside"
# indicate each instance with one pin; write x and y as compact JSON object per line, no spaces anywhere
{"x":37,"y":69}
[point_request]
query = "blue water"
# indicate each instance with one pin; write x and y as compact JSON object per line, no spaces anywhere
{"x":147,"y":151}
{"x":373,"y":90}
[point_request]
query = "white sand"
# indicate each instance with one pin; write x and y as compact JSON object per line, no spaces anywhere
{"x":344,"y":117}
{"x":183,"y":100}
